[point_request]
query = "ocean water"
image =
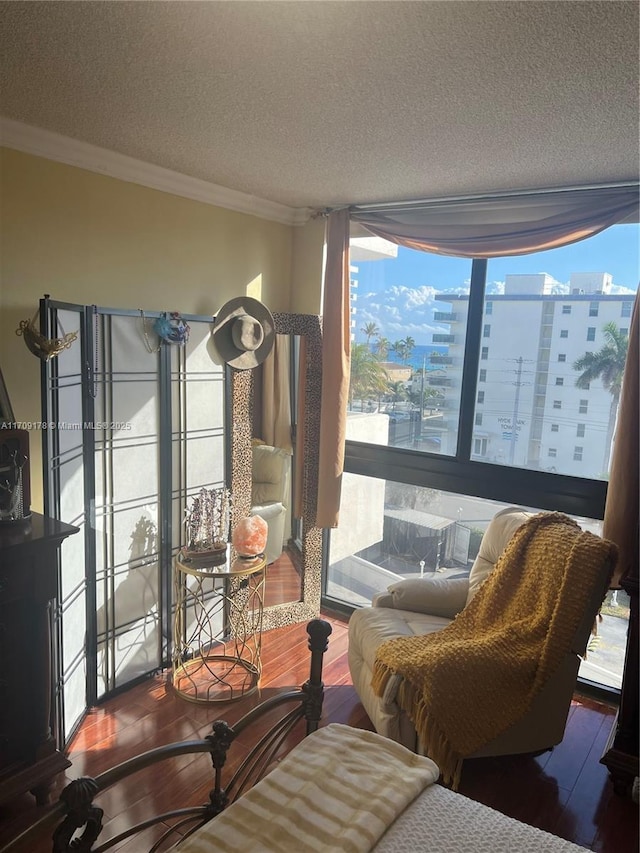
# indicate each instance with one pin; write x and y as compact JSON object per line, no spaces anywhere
{"x":419,"y":353}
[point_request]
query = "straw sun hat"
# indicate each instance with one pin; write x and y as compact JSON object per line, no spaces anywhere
{"x":243,"y":332}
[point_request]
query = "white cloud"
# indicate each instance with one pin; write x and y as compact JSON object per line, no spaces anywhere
{"x":620,"y":289}
{"x":403,"y":311}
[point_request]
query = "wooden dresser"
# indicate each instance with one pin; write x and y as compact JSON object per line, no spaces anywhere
{"x":29,"y":757}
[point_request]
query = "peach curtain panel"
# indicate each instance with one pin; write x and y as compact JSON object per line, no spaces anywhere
{"x":336,"y":355}
{"x":622,"y":509}
{"x":501,"y":226}
{"x":276,"y":398}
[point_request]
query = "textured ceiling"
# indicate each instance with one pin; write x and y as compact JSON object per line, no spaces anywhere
{"x":321,"y":103}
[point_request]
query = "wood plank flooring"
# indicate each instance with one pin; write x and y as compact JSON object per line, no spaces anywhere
{"x":565,"y":791}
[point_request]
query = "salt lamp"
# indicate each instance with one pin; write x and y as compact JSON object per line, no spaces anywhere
{"x":250,"y":536}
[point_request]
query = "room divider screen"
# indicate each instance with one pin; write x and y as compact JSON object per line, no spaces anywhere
{"x":135,"y":427}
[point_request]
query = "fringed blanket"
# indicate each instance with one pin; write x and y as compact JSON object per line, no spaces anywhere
{"x":338,"y":790}
{"x":467,"y":683}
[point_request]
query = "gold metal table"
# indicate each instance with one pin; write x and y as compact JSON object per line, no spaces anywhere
{"x":217,"y":627}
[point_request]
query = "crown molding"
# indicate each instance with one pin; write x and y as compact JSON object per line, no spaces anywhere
{"x":82,"y":155}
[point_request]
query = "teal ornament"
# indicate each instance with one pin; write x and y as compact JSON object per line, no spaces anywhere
{"x":172,"y":328}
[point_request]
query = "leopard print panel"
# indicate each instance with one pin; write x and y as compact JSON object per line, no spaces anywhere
{"x":309,"y":326}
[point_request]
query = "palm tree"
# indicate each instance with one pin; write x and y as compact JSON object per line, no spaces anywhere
{"x":382,"y":348}
{"x":370,"y":330}
{"x":421,"y":396}
{"x":607,"y":365}
{"x":409,"y":345}
{"x":398,"y":391}
{"x":367,"y":378}
{"x":399,"y":347}
{"x":404,"y":348}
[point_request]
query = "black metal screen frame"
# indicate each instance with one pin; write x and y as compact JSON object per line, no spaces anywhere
{"x":88,"y":315}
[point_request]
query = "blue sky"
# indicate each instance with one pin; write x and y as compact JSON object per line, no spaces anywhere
{"x":399,"y":294}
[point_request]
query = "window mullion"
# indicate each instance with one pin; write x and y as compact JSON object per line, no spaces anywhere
{"x":471,"y":358}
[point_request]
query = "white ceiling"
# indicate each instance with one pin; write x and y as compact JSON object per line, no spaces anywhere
{"x":320,"y":102}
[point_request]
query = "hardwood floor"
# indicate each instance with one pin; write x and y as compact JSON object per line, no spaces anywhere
{"x":284,"y":582}
{"x":565,"y":791}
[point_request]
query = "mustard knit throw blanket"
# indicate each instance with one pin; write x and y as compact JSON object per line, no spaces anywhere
{"x":464,"y":685}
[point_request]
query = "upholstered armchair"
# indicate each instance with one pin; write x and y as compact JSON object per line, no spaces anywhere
{"x":421,"y":606}
{"x":270,"y":494}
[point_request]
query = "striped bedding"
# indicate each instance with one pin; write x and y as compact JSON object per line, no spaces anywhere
{"x":337,"y":790}
{"x":344,"y":790}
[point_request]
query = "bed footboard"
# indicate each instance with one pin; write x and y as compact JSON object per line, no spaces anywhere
{"x":77,"y":811}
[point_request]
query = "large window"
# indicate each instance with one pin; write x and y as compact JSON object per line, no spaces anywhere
{"x":475,"y":383}
{"x":390,"y":530}
{"x":421,"y":329}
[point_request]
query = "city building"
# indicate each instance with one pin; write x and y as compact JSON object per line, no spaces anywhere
{"x":529,"y":411}
{"x":366,"y":248}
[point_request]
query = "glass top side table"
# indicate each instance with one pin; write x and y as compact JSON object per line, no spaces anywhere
{"x":217,"y":627}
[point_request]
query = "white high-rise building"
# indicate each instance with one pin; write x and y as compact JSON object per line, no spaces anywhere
{"x":366,"y":248}
{"x":528,"y":411}
{"x":590,"y":282}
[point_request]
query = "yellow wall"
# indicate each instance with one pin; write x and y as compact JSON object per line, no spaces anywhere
{"x":91,"y":239}
{"x":307,"y":268}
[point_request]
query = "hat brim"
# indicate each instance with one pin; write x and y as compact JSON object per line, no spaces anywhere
{"x":238,"y":358}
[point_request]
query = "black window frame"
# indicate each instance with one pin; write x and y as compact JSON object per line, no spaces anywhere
{"x":460,"y":473}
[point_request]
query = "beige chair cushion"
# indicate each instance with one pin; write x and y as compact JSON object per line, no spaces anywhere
{"x":436,"y":596}
{"x":496,"y":537}
{"x":268,"y":474}
{"x":369,"y":627}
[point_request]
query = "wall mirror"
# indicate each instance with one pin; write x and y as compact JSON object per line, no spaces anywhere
{"x":300,"y":599}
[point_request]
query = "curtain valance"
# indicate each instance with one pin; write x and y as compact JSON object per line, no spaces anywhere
{"x":496,"y":226}
{"x":500,"y":226}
